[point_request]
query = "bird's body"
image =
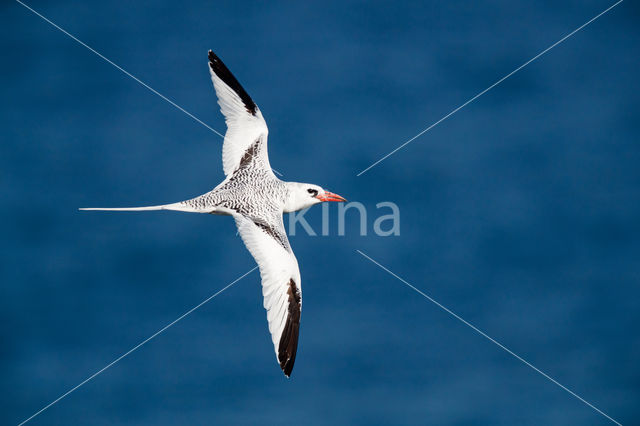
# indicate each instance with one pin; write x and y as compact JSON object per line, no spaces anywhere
{"x":256,"y":199}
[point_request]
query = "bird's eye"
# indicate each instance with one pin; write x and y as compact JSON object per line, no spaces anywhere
{"x":313,"y":192}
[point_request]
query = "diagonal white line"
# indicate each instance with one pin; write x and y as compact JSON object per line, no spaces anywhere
{"x":490,"y":87}
{"x":55,"y":401}
{"x":483,"y":334}
{"x":123,"y":70}
{"x":127,"y":73}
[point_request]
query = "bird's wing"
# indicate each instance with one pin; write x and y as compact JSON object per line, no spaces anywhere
{"x":268,"y":243}
{"x":245,"y":124}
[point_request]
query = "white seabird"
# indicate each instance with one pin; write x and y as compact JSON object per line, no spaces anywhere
{"x":256,"y":199}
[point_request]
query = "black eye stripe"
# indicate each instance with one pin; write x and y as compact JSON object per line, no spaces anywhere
{"x":312,"y":192}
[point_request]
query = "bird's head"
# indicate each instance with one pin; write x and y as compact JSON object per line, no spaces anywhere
{"x":303,"y":195}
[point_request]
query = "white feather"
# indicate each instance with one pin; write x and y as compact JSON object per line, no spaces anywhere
{"x":277,"y":267}
{"x":243,"y":128}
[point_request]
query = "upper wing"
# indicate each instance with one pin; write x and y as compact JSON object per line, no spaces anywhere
{"x":245,"y":124}
{"x":280,"y":284}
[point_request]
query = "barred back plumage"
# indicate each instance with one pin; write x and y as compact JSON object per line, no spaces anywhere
{"x":256,"y":199}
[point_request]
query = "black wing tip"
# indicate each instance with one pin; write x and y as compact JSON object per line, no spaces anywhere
{"x":287,"y":367}
{"x":287,"y":359}
{"x":215,"y":61}
{"x":221,"y":70}
{"x":288,"y":346}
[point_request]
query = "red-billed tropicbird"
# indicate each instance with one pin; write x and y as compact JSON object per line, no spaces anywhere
{"x":256,"y":199}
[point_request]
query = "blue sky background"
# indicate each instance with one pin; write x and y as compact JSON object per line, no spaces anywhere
{"x":520,"y":213}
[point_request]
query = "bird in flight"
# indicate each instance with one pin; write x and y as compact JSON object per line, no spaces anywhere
{"x":256,"y":199}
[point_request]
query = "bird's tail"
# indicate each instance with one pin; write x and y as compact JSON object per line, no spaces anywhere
{"x":181,"y":207}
